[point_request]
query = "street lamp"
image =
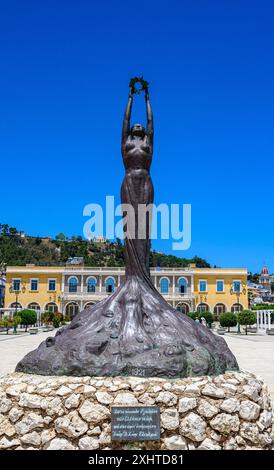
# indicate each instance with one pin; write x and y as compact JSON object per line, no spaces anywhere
{"x":238,"y":294}
{"x":61,"y":301}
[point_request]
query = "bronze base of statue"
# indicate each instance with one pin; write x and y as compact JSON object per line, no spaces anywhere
{"x":135,"y":327}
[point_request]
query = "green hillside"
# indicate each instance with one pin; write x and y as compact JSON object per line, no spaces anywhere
{"x":19,"y":249}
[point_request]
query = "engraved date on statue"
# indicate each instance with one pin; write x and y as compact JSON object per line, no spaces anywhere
{"x":137,"y":371}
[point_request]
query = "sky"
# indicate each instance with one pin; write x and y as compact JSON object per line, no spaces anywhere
{"x":64,"y":73}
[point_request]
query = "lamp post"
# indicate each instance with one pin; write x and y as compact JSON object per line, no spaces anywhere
{"x":16,"y":292}
{"x":61,"y":301}
{"x":238,"y":294}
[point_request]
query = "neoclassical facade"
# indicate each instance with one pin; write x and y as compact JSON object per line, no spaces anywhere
{"x":70,"y":289}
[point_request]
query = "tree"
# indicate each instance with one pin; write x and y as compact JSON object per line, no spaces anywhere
{"x":61,"y":237}
{"x":4,"y":229}
{"x":16,"y":320}
{"x":6,"y":323}
{"x":247,"y":317}
{"x":193,"y":315}
{"x":28,"y":317}
{"x":47,"y":318}
{"x":13,"y":230}
{"x":56,"y":321}
{"x":228,"y":319}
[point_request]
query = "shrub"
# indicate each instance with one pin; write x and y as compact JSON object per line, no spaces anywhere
{"x":228,"y":319}
{"x":16,"y":320}
{"x":56,"y":321}
{"x":247,"y":317}
{"x":47,"y":318}
{"x":28,"y":317}
{"x":6,"y":323}
{"x":193,"y":315}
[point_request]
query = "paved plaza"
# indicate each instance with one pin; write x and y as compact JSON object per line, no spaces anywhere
{"x":254,"y":353}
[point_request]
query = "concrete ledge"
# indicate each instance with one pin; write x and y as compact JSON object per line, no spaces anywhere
{"x":230,"y":411}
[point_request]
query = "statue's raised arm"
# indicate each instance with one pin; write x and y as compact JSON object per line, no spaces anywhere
{"x":127,"y":114}
{"x":149,"y":128}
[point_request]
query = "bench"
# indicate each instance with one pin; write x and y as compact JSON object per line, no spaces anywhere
{"x":33,"y":331}
{"x":221,"y":331}
{"x":270,"y":332}
{"x":45,"y":329}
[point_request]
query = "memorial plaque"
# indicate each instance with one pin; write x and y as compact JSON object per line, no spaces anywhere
{"x":135,"y":423}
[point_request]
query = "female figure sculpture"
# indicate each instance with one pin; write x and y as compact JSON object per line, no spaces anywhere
{"x":137,"y":188}
{"x":134,"y":327}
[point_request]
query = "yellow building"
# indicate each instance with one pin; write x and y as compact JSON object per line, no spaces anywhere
{"x":69,"y":289}
{"x":34,"y":287}
{"x":220,"y":290}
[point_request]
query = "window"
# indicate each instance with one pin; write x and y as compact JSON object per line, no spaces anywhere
{"x":34,"y":306}
{"x":109,"y":285}
{"x":91,"y":284}
{"x":202,"y":308}
{"x":51,"y":307}
{"x":16,"y":284}
{"x":34,"y":285}
{"x":236,"y":308}
{"x":164,"y":285}
{"x":52,"y":284}
{"x":183,"y":308}
{"x":220,"y":286}
{"x":237,"y":286}
{"x":73,"y":284}
{"x":202,"y":285}
{"x":182,"y":285}
{"x":218,"y":309}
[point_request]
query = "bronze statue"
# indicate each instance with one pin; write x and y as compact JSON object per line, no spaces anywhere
{"x":134,"y":328}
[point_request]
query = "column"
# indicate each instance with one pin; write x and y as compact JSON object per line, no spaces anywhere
{"x":269,"y":320}
{"x":63,"y":284}
{"x":173,"y":284}
{"x":100,"y":282}
{"x":82,"y":283}
{"x":258,"y":322}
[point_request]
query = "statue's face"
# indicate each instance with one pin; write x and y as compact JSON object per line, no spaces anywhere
{"x":138,"y":130}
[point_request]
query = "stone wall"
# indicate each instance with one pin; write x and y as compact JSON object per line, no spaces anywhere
{"x":230,"y":411}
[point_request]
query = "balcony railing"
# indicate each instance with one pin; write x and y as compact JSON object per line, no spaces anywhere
{"x":103,"y":292}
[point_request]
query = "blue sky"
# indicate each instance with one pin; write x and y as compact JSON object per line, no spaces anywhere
{"x":64,"y":72}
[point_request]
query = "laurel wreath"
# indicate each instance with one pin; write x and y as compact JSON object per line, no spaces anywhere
{"x":140,"y":80}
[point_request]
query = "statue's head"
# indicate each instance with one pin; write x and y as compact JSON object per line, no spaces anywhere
{"x":138,"y":130}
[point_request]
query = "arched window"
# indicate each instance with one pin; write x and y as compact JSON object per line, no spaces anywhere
{"x":15,"y":305}
{"x":34,"y":306}
{"x":72,"y":309}
{"x":184,"y":308}
{"x":202,"y":308}
{"x":236,"y":308}
{"x":164,"y":285}
{"x":110,"y":285}
{"x":73,"y":284}
{"x":182,"y":285}
{"x":51,"y":307}
{"x":218,"y":309}
{"x":89,"y":304}
{"x":91,"y":284}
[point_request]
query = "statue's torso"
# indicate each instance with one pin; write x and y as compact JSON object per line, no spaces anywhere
{"x":137,"y":154}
